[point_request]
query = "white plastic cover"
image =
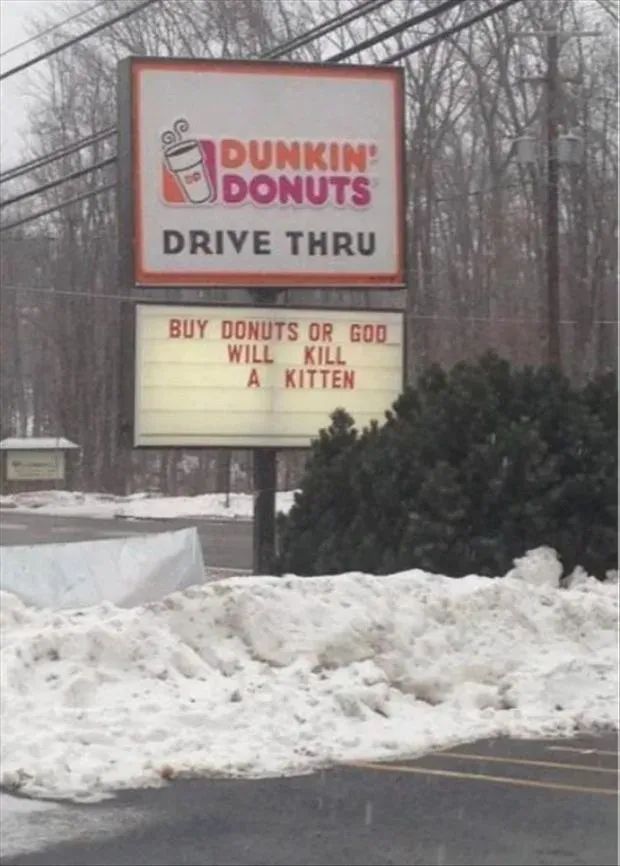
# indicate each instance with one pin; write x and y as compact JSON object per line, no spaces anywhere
{"x":124,"y":571}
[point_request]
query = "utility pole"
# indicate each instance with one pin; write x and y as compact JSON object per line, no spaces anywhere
{"x":552,"y":82}
{"x":552,"y":211}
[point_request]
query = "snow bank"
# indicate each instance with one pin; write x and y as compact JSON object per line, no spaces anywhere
{"x":125,"y":571}
{"x":140,"y":505}
{"x":262,"y":676}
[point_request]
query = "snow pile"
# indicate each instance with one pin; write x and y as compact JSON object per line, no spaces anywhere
{"x":262,"y":676}
{"x":238,"y":505}
{"x":69,"y":503}
{"x":140,"y":505}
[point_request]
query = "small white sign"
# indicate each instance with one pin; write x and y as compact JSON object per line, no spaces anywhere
{"x":272,"y":174}
{"x":249,"y":376}
{"x":35,"y":465}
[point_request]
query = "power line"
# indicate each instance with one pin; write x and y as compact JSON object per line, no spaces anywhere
{"x":112,"y":186}
{"x":53,"y":183}
{"x":51,"y":29}
{"x":49,"y":210}
{"x":394,"y":31}
{"x":67,"y":150}
{"x":399,"y":55}
{"x":327,"y":27}
{"x":102,"y":26}
{"x":450,"y":32}
{"x":320,"y":30}
{"x":49,"y":290}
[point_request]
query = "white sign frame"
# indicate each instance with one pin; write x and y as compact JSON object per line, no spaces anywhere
{"x":176,"y":374}
{"x":350,"y":117}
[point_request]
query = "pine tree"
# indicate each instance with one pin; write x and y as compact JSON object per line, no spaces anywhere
{"x":471,"y":469}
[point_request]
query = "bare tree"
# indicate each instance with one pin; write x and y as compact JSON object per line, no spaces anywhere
{"x":475,"y":233}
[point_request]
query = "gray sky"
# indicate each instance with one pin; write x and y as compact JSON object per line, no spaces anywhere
{"x":14,"y":18}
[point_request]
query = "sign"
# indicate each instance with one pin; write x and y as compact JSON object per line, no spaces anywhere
{"x":247,"y":376}
{"x":35,"y":465}
{"x":241,"y":173}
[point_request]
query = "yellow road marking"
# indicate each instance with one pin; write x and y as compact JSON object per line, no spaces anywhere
{"x":480,"y":777}
{"x":581,"y":751}
{"x":526,"y":761}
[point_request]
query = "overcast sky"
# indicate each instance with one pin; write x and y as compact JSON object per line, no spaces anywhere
{"x":14,"y":18}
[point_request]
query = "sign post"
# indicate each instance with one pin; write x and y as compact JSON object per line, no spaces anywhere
{"x":264,"y":537}
{"x":264,"y":485}
{"x":261,"y":176}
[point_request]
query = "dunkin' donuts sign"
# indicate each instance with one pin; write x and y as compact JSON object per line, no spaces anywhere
{"x":252,"y":173}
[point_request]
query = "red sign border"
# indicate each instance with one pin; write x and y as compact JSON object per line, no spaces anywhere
{"x":206,"y":279}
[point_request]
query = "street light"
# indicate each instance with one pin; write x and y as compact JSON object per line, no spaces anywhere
{"x":570,"y":148}
{"x":527,"y":150}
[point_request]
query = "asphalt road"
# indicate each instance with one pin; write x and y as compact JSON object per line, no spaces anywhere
{"x":226,"y":544}
{"x":496,"y":802}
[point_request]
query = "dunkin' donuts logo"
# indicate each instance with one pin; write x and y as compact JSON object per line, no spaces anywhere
{"x":265,"y":172}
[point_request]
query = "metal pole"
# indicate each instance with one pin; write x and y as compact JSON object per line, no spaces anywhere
{"x":553,"y":257}
{"x":264,"y":510}
{"x":265,"y":482}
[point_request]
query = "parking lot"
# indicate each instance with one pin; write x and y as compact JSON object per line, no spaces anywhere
{"x":492,"y":802}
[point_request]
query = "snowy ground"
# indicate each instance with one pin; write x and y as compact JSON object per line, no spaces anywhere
{"x":29,"y":825}
{"x":140,"y":505}
{"x":264,"y":676}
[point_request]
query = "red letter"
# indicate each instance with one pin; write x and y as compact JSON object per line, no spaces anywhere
{"x":234,"y":188}
{"x":349,"y":379}
{"x":174,"y":326}
{"x":253,"y":381}
{"x":361,"y":191}
{"x":232,"y":153}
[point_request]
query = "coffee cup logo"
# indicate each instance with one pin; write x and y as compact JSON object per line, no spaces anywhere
{"x":265,"y":172}
{"x":185,"y":159}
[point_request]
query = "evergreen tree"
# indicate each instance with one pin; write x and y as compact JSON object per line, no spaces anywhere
{"x":471,"y":469}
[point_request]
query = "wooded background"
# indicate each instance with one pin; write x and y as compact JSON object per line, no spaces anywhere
{"x":475,"y":232}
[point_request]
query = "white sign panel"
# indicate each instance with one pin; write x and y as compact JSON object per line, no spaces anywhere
{"x":35,"y":465}
{"x":249,"y":376}
{"x":255,"y":173}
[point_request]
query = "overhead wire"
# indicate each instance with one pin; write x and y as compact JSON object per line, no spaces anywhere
{"x":67,"y":150}
{"x":78,"y":198}
{"x":123,"y":298}
{"x":395,"y":30}
{"x":326,"y":28}
{"x":391,"y":59}
{"x":432,"y":40}
{"x":323,"y":29}
{"x":64,"y":179}
{"x":75,"y":39}
{"x":51,"y":29}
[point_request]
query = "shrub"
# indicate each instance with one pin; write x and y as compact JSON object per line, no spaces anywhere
{"x":472,"y":468}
